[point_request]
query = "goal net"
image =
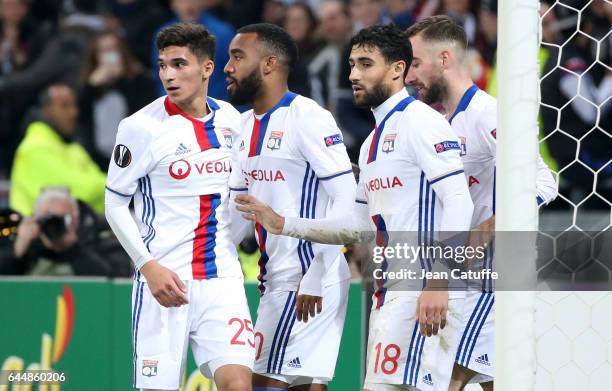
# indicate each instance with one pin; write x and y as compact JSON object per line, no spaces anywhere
{"x":555,"y":81}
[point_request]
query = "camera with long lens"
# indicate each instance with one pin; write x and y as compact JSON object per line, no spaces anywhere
{"x":54,"y":227}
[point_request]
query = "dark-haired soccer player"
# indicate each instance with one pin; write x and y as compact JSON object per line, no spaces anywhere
{"x":173,"y":158}
{"x":411,"y":180}
{"x":439,"y":73}
{"x":291,"y":156}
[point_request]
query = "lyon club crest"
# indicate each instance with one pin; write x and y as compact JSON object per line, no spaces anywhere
{"x":227,"y":135}
{"x":274,"y":142}
{"x":389,"y":143}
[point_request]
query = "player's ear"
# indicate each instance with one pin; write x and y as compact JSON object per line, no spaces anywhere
{"x":208,"y":66}
{"x":444,"y":58}
{"x":398,"y":69}
{"x":269,"y":64}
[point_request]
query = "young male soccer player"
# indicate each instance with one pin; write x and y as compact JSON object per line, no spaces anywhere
{"x":439,"y":73}
{"x":291,"y":155}
{"x":414,"y":152}
{"x":173,"y":158}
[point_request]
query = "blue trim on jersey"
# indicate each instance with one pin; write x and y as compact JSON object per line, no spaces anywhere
{"x":409,"y":360}
{"x":209,"y":129}
{"x":420,"y":355}
{"x":263,"y":124}
{"x":361,"y":202}
{"x":425,"y":227}
{"x":239,"y":188}
{"x":400,"y":106}
{"x":212,"y":104}
{"x":286,"y":322}
{"x":210,"y":265}
{"x":419,"y":228}
{"x":446,"y":176}
{"x":116,"y":192}
{"x":431,"y":222}
{"x":284,"y":349}
{"x":480,"y":308}
{"x":465,"y":101}
{"x":307,"y":210}
{"x":280,"y":321}
{"x":459,"y":356}
{"x":336,"y":175}
{"x":539,"y":200}
{"x":494,"y":175}
{"x":484,"y":318}
{"x":381,"y":229}
{"x":147,"y":194}
{"x":139,"y":305}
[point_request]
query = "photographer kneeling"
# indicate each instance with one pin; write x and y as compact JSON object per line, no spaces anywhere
{"x":65,"y":237}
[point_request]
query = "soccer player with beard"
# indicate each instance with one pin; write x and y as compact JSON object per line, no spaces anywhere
{"x":291,"y":156}
{"x":173,"y":159}
{"x":414,"y":152}
{"x":440,"y":75}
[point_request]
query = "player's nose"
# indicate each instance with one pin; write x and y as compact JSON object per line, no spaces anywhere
{"x":410,"y":76}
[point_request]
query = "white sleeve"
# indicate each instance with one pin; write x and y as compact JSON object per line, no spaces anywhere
{"x":321,"y":144}
{"x":132,"y":159}
{"x":122,"y":223}
{"x":345,"y":221}
{"x":546,"y":186}
{"x":239,"y":226}
{"x":437,"y":149}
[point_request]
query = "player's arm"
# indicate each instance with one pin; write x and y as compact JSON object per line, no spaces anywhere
{"x":321,"y":145}
{"x":546,"y":186}
{"x":132,"y":159}
{"x":437,"y":152}
{"x":240,"y":227}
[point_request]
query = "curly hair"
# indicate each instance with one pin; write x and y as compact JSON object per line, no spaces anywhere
{"x":390,"y":40}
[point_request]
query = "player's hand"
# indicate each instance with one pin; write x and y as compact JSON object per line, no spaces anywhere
{"x":306,"y":304}
{"x":483,"y":234}
{"x":432,"y":307}
{"x":254,"y":210}
{"x":27,"y":231}
{"x":164,"y":284}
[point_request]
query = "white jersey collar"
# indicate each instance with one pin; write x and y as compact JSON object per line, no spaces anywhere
{"x":381,"y":111}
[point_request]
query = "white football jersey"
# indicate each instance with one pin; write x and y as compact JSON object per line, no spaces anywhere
{"x":177,"y":170}
{"x":411,"y":148}
{"x":282,"y":158}
{"x":475,"y":123}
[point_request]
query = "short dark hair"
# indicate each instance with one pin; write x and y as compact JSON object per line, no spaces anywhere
{"x":439,"y":28}
{"x":186,"y":34}
{"x":275,"y":39}
{"x":392,"y":42}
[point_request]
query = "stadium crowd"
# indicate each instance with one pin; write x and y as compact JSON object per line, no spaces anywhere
{"x":70,"y":71}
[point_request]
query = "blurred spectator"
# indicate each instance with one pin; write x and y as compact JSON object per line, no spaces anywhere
{"x":366,"y":13}
{"x":273,"y":12}
{"x":301,"y":25}
{"x":65,"y":238}
{"x":238,"y":13}
{"x":335,"y":29}
{"x":49,"y":156}
{"x":21,"y":40}
{"x":137,"y":21}
{"x":193,"y":11}
{"x":400,"y":12}
{"x":461,"y":11}
{"x":486,"y":38}
{"x":113,"y":86}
